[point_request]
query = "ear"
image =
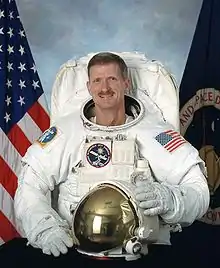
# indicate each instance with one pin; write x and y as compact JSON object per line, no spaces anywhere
{"x":88,"y":87}
{"x":127,"y":85}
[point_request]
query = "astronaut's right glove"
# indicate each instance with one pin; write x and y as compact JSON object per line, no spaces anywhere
{"x":55,"y":241}
{"x":154,"y":197}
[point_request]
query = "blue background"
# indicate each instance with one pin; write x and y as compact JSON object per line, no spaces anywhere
{"x":59,"y":30}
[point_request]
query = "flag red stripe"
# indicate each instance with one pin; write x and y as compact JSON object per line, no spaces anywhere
{"x":18,"y":139}
{"x":173,"y":142}
{"x":170,"y":132}
{"x":40,"y":116}
{"x":7,"y":178}
{"x":7,"y":230}
{"x":175,"y":147}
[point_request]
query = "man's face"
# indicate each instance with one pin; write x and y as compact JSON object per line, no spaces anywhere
{"x":107,"y":85}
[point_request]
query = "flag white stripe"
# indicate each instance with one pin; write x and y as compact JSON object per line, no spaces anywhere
{"x":9,"y":153}
{"x":7,"y":205}
{"x":43,"y":103}
{"x":176,"y":146}
{"x":174,"y":140}
{"x":1,"y":241}
{"x":30,"y":128}
{"x":173,"y":144}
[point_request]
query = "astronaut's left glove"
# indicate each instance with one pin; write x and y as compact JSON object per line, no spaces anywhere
{"x":155,"y":198}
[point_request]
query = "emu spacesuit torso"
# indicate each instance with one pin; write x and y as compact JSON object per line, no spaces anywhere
{"x":76,"y":153}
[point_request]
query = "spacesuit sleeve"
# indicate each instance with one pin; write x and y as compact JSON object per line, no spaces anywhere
{"x":40,"y":173}
{"x":191,"y":195}
{"x":177,"y":165}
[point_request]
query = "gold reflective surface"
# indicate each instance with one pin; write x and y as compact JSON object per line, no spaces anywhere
{"x":104,"y":220}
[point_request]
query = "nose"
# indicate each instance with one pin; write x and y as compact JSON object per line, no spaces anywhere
{"x":105,"y":85}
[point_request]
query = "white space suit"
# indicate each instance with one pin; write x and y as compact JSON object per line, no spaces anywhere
{"x":76,"y":153}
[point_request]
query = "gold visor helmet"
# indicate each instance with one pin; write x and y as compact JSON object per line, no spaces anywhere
{"x":107,"y":223}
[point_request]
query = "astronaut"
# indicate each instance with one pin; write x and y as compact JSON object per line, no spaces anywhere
{"x":111,"y":136}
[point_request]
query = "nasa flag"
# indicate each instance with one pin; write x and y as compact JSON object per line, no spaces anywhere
{"x":200,"y":100}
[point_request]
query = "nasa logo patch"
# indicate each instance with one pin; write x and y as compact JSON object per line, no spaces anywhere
{"x":98,"y":155}
{"x":200,"y":124}
{"x":47,"y":136}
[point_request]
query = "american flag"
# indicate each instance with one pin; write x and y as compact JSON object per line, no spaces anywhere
{"x":23,"y":110}
{"x":170,"y":140}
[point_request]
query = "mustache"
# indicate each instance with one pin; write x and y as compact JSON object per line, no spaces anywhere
{"x":109,"y":92}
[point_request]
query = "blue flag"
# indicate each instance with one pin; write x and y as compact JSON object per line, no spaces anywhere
{"x":200,"y":100}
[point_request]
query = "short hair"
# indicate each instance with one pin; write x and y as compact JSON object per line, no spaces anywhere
{"x":106,"y":58}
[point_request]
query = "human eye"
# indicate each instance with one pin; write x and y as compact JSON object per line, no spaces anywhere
{"x":112,"y":78}
{"x":96,"y":80}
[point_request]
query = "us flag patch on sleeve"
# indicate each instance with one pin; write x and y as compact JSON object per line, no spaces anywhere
{"x":170,"y":140}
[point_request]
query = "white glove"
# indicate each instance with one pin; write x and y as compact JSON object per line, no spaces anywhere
{"x":155,"y":198}
{"x":55,"y":241}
